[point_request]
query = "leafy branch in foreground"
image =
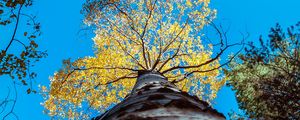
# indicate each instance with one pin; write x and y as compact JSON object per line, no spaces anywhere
{"x":151,"y":35}
{"x":19,"y":52}
{"x":18,"y":49}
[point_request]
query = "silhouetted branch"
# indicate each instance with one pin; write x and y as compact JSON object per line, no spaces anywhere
{"x":20,"y":43}
{"x":199,"y":65}
{"x":209,"y":70}
{"x":93,"y":68}
{"x":13,"y":105}
{"x":118,"y":79}
{"x":222,"y":50}
{"x":174,"y":55}
{"x":15,"y":29}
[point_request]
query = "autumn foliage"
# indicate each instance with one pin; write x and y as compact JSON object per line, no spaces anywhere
{"x":133,"y":35}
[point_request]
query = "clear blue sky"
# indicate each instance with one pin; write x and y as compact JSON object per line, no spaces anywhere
{"x":61,"y":20}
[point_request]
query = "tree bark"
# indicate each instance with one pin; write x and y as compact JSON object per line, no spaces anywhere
{"x":155,"y":98}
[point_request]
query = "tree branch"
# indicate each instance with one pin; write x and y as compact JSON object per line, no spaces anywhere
{"x":174,"y":55}
{"x":209,"y":70}
{"x":205,"y":63}
{"x":15,"y":29}
{"x":90,"y":68}
{"x":14,"y":103}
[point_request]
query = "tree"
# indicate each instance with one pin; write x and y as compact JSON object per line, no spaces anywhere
{"x":131,"y":36}
{"x":267,"y":80}
{"x":18,"y":50}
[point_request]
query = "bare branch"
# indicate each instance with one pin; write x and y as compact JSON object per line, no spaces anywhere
{"x":13,"y":105}
{"x":174,"y":55}
{"x":3,"y":104}
{"x":15,"y":29}
{"x":20,"y":42}
{"x":118,"y":79}
{"x":209,"y":70}
{"x":204,"y":63}
{"x":93,"y":68}
{"x":222,"y":50}
{"x":128,"y":76}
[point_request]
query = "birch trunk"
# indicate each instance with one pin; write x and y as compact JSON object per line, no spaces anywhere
{"x":155,"y":98}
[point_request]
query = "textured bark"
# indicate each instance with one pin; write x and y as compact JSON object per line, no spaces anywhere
{"x":154,"y":98}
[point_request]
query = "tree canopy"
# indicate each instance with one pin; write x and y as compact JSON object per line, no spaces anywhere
{"x":266,"y":77}
{"x":133,"y":35}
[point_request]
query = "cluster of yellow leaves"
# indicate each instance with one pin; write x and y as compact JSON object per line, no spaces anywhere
{"x":136,"y":35}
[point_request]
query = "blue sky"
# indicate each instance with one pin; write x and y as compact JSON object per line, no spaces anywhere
{"x":61,"y":21}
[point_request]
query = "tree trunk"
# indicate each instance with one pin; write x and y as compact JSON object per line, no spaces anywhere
{"x":155,"y":98}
